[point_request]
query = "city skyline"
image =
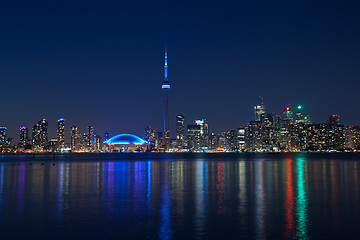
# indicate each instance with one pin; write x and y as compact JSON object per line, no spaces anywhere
{"x":291,"y":130}
{"x":221,"y":59}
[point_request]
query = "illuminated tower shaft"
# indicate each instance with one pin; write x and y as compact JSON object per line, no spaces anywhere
{"x":166,"y":132}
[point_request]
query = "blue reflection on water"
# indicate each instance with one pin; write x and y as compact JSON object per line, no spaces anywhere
{"x":165,"y":222}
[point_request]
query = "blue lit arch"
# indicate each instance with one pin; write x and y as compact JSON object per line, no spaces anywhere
{"x":125,"y":138}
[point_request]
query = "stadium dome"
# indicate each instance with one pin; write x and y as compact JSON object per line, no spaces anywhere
{"x":126,"y":139}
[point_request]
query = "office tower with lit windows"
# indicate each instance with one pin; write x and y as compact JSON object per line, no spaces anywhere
{"x":165,"y":86}
{"x":74,"y":138}
{"x":288,"y":115}
{"x":147,"y":133}
{"x":194,"y":137}
{"x":152,"y":139}
{"x":334,"y":120}
{"x":240,"y":137}
{"x":231,"y":140}
{"x":213,"y":141}
{"x":106,"y":136}
{"x":61,"y":133}
{"x":24,"y":135}
{"x":36,"y":135}
{"x":252,"y":136}
{"x":259,"y":110}
{"x":180,"y":131}
{"x":204,"y":132}
{"x":3,"y":136}
{"x":90,"y":136}
{"x":299,"y":118}
{"x":44,"y":132}
{"x":40,"y":134}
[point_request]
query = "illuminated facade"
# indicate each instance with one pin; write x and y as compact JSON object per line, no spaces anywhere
{"x":40,"y":135}
{"x":259,"y":110}
{"x":74,"y":138}
{"x":180,"y":134}
{"x":24,"y":135}
{"x":165,"y":86}
{"x":127,"y":142}
{"x":241,"y":137}
{"x":204,"y":132}
{"x":61,"y":133}
{"x":194,"y":137}
{"x":3,"y":136}
{"x":89,"y":137}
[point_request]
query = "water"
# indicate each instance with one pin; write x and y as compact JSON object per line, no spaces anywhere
{"x":180,"y":196}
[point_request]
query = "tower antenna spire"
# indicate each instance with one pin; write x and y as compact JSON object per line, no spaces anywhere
{"x":166,"y":85}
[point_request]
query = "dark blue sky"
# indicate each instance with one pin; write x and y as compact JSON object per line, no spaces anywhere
{"x":101,"y":63}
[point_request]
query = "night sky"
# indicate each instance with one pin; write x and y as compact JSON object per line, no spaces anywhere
{"x":101,"y":63}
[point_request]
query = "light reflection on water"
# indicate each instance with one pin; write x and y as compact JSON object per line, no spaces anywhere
{"x":200,"y":196}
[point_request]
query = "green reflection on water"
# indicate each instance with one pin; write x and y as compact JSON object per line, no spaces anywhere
{"x":301,"y":202}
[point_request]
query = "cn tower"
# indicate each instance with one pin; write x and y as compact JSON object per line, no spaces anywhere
{"x":166,"y":132}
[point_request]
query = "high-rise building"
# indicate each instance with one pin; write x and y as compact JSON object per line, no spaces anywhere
{"x":40,"y":134}
{"x":147,"y":133}
{"x":180,"y":134}
{"x":194,"y":136}
{"x":204,"y":132}
{"x":36,"y":135}
{"x":44,"y":133}
{"x":3,"y":136}
{"x":241,"y":137}
{"x":152,"y":139}
{"x":252,"y":136}
{"x":106,"y":136}
{"x":288,"y":116}
{"x":24,"y":135}
{"x":98,"y":143}
{"x":61,"y":133}
{"x":74,"y":138}
{"x":165,"y":86}
{"x":89,"y":137}
{"x":221,"y":140}
{"x":213,"y":141}
{"x":231,"y":140}
{"x":334,"y":119}
{"x":300,"y":118}
{"x":259,"y":110}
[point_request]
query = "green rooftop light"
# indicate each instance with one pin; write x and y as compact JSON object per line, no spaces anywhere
{"x":299,"y":107}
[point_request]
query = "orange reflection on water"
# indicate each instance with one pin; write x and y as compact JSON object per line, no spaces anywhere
{"x":289,"y":202}
{"x":220,"y":187}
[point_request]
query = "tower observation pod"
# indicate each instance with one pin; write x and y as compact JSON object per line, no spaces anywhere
{"x":165,"y":86}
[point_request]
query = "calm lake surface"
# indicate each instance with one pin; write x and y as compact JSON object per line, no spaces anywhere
{"x":180,"y":196}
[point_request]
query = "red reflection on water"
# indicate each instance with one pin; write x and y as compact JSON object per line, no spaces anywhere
{"x":289,"y":202}
{"x":220,"y":186}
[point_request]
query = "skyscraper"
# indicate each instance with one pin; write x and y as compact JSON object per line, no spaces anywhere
{"x":106,"y":136}
{"x":89,"y":137}
{"x":299,"y":116}
{"x":74,"y":138}
{"x":334,"y":120}
{"x":147,"y":133}
{"x":166,"y":132}
{"x":61,"y":133}
{"x":204,"y":132}
{"x":36,"y":135}
{"x":44,"y":133}
{"x":23,"y":135}
{"x":194,"y":135}
{"x":3,"y":136}
{"x":259,"y":110}
{"x":288,"y":115}
{"x":241,"y":137}
{"x":180,"y":135}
